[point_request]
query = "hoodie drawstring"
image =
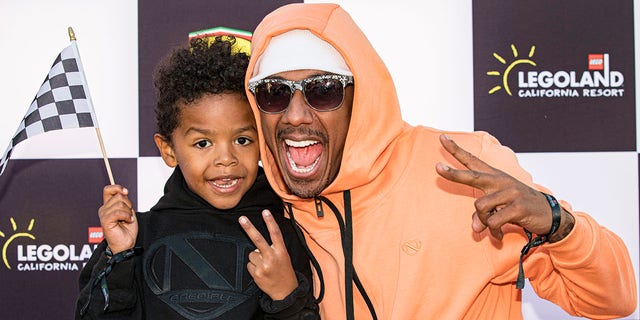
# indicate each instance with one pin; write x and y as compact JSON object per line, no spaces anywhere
{"x":346,"y":234}
{"x":314,"y":261}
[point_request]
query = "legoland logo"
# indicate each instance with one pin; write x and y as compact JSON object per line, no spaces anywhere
{"x":597,"y":81}
{"x":41,"y":257}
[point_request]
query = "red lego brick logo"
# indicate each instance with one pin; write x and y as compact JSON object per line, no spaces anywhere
{"x":95,"y":235}
{"x":596,"y":61}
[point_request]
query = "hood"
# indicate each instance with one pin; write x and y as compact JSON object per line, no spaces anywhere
{"x":376,"y":120}
{"x":179,"y":198}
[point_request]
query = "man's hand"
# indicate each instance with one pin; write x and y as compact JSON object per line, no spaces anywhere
{"x":118,"y":219}
{"x":505,"y":199}
{"x":270,"y":265}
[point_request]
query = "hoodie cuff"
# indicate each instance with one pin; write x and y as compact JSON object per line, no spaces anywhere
{"x":577,"y":248}
{"x":297,"y":298}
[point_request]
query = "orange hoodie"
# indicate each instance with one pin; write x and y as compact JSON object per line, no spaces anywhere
{"x":414,"y":252}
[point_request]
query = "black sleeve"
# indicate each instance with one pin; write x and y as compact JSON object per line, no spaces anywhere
{"x":300,"y":304}
{"x":123,"y":292}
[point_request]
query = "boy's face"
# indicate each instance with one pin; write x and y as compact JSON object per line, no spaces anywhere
{"x":216,"y":146}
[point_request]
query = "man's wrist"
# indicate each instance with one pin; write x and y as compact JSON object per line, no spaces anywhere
{"x":567,"y":222}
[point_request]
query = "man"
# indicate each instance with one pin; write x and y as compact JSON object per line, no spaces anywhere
{"x":384,"y":206}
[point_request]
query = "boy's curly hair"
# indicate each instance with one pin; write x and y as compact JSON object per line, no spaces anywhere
{"x":191,"y":72}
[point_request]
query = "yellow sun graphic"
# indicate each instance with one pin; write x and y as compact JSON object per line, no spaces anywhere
{"x":505,"y":74}
{"x":13,"y":237}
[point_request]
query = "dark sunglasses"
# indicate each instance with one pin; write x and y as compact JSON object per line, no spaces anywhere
{"x":322,"y":93}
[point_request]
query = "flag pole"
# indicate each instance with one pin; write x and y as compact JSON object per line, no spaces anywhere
{"x":72,"y":37}
{"x":104,"y":156}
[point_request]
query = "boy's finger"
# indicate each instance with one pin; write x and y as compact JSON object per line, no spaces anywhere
{"x":111,"y":190}
{"x":119,"y":211}
{"x":253,"y":233}
{"x":274,"y":229}
{"x":122,"y":216}
{"x":119,"y":200}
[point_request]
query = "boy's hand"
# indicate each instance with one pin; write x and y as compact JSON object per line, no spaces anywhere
{"x":118,"y":219}
{"x":270,"y":265}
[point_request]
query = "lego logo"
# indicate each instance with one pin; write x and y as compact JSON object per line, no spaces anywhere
{"x":596,"y":61}
{"x":95,"y":235}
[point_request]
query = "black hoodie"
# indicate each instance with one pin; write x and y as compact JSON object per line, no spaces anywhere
{"x":193,"y":263}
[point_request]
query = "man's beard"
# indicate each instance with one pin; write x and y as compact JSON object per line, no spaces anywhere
{"x":306,"y":192}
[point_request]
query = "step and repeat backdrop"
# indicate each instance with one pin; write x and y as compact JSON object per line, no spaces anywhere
{"x":553,"y":80}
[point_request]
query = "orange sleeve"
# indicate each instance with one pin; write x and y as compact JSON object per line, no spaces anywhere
{"x":586,"y":273}
{"x":589,"y":273}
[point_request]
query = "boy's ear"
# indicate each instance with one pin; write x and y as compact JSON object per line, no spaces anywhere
{"x":166,"y":150}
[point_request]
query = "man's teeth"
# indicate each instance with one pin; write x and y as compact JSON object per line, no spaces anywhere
{"x":228,"y":183}
{"x":299,"y":144}
{"x":297,"y":169}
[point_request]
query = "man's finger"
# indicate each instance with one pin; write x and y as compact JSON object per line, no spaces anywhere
{"x":274,"y":229}
{"x":476,"y":224}
{"x":463,"y":156}
{"x":253,"y":233}
{"x":476,"y":179}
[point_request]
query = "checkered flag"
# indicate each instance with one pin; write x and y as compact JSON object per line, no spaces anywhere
{"x":63,"y":102}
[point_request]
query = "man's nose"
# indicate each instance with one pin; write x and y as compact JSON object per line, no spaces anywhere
{"x":298,"y":112}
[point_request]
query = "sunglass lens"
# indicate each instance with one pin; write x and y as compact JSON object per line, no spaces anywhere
{"x":272,"y":96}
{"x":324,"y":94}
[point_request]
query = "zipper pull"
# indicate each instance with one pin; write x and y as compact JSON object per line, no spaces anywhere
{"x":319,"y":210}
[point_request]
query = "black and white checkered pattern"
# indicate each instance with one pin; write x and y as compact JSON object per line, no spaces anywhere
{"x":62,"y":102}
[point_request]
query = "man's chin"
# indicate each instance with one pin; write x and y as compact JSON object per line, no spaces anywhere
{"x":304,"y":188}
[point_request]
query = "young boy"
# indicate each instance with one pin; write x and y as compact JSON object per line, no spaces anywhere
{"x":188,"y":257}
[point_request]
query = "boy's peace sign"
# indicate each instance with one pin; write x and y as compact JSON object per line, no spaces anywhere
{"x":270,"y":265}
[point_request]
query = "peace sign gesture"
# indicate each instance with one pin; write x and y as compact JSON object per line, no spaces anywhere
{"x":270,"y":265}
{"x":505,"y":199}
